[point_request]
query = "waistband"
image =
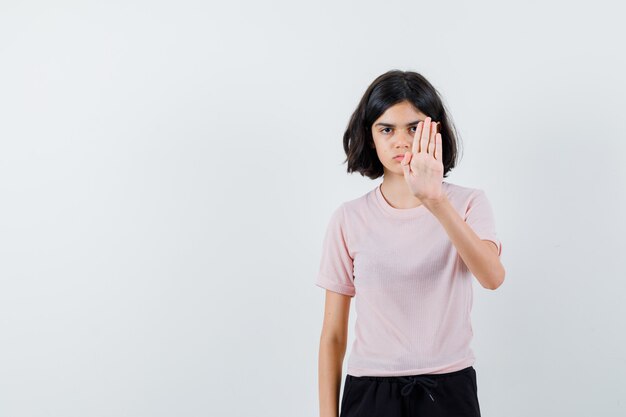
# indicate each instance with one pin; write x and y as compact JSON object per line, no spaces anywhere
{"x":426,"y":381}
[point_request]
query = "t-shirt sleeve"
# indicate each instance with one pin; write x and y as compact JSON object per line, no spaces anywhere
{"x":336,"y":265}
{"x":479,"y":216}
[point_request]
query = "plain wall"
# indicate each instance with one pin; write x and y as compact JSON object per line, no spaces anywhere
{"x":167,"y":171}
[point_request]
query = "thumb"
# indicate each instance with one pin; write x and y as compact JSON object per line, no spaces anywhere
{"x":405,"y":163}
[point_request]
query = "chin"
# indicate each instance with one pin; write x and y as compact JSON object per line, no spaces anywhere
{"x":395,"y":171}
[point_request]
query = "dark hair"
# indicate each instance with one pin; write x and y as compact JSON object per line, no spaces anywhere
{"x":388,"y":89}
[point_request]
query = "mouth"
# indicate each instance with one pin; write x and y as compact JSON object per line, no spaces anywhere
{"x":398,"y":158}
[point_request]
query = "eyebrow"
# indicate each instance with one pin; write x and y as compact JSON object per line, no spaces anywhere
{"x":390,"y":125}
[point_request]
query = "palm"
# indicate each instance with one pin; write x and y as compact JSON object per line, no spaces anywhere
{"x":423,"y":167}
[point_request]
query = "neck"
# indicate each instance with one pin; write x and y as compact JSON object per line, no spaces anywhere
{"x":397,"y":193}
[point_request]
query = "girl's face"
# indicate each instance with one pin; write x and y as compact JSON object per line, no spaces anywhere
{"x":393,"y":134}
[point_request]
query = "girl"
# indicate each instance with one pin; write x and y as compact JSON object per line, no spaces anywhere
{"x":406,"y":251}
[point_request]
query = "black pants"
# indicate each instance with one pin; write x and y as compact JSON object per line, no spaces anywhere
{"x":452,"y":394}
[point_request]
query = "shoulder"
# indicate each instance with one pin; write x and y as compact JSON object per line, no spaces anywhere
{"x":467,"y":200}
{"x":356,"y":205}
{"x":461,"y":193}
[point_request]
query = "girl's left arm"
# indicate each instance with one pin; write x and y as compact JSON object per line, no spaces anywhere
{"x":480,"y":256}
{"x":423,"y":171}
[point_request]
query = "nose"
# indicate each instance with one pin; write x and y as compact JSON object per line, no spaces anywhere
{"x":404,"y":140}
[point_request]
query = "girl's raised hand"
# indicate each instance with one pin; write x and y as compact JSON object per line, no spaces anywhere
{"x":423,"y":166}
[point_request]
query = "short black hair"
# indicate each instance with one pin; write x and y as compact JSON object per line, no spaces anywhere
{"x":386,"y":90}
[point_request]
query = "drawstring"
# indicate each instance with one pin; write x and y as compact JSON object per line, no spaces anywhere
{"x":424,"y":381}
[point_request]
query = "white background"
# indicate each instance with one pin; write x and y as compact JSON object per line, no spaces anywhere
{"x":167,"y":171}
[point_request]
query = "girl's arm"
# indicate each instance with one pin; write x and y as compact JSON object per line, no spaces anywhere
{"x":332,"y":349}
{"x":480,"y":256}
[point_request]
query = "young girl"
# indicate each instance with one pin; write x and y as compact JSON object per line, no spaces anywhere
{"x":406,"y":251}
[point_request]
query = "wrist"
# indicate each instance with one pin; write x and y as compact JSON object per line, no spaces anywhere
{"x":436,"y":203}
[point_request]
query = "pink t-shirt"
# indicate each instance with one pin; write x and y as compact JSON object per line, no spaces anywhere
{"x":412,"y":291}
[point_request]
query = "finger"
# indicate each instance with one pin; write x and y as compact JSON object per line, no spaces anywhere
{"x":425,"y":135}
{"x":416,"y":138}
{"x":406,"y":169}
{"x":431,"y":139}
{"x":438,"y":148}
{"x":431,"y":145}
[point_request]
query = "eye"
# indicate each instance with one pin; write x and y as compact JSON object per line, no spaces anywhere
{"x":384,"y":129}
{"x":414,"y":128}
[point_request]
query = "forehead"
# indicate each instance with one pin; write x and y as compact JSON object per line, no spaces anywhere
{"x":400,"y":112}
